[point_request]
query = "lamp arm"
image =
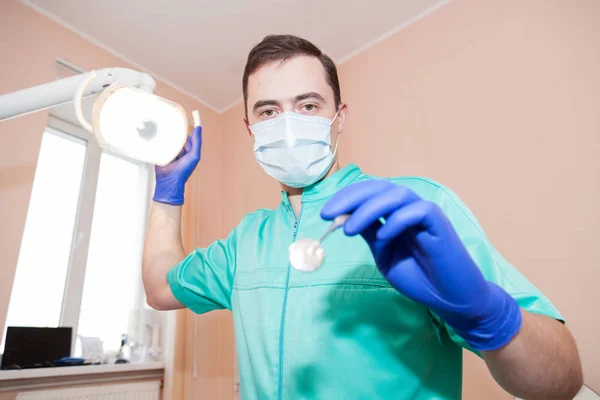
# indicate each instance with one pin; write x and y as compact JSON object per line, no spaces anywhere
{"x":61,"y":91}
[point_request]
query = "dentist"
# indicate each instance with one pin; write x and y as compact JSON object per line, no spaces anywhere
{"x":409,"y":282}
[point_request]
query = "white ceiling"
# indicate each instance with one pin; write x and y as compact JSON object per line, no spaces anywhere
{"x":200,"y":46}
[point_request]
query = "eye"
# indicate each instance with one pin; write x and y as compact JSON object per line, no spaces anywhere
{"x":267,"y":113}
{"x":309,"y":107}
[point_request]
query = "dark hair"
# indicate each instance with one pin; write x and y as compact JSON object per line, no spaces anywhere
{"x":283,"y":47}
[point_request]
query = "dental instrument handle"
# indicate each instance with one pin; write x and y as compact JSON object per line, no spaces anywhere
{"x":325,"y":235}
{"x":196,"y":117}
{"x":338,"y":222}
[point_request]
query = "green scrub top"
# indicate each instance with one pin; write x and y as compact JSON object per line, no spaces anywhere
{"x":341,"y":332}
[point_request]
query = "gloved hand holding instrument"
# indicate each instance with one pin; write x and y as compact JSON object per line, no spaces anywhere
{"x":420,"y":254}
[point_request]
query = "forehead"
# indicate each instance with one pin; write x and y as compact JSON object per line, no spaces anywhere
{"x":281,"y":81}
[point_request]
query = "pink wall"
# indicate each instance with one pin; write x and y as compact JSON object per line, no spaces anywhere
{"x":498,"y":100}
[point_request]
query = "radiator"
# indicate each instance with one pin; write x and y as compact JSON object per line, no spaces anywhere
{"x":122,"y":391}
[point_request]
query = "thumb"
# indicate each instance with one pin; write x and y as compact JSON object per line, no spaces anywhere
{"x":196,"y":144}
{"x":369,"y":234}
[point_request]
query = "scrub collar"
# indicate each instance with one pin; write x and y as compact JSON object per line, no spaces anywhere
{"x":330,"y":185}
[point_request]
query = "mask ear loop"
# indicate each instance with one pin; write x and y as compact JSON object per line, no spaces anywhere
{"x":337,"y":141}
{"x":334,"y":117}
{"x":248,"y":126}
{"x":336,"y":147}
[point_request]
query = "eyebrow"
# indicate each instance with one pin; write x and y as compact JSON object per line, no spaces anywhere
{"x":300,"y":97}
{"x":262,"y":103}
{"x":309,"y":95}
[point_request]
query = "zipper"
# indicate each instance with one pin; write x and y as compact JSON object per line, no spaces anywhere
{"x":283,"y":308}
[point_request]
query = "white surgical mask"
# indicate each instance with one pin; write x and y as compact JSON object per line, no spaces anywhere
{"x":294,"y":148}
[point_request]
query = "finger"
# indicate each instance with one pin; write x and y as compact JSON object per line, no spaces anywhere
{"x":408,"y":278}
{"x":419,"y":213}
{"x":350,"y":197}
{"x":379,"y":248}
{"x":379,"y":206}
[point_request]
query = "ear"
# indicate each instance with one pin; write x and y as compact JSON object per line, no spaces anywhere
{"x":247,"y":126}
{"x":341,"y":118}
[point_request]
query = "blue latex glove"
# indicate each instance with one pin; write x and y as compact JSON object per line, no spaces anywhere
{"x":420,"y":254}
{"x":171,"y":179}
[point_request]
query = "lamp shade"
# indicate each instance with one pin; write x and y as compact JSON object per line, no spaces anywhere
{"x":139,"y":125}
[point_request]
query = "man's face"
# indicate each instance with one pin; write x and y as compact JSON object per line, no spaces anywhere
{"x":298,"y":85}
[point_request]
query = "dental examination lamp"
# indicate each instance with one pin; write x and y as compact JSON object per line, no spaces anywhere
{"x":127,"y":117}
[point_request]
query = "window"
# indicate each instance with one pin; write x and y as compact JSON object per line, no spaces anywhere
{"x":48,"y":235}
{"x":80,"y":259}
{"x":115,"y":245}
